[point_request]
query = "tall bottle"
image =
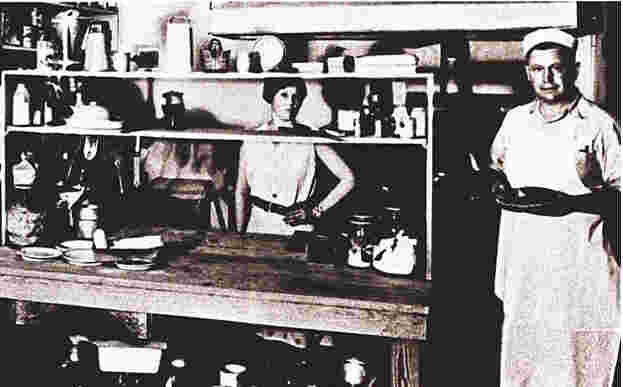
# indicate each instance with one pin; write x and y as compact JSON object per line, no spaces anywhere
{"x":21,"y":106}
{"x":365,"y":115}
{"x":380,"y":119}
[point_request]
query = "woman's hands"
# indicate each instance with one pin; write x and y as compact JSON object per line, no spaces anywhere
{"x":300,"y":213}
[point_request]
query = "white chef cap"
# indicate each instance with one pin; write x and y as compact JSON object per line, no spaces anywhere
{"x":547,"y":35}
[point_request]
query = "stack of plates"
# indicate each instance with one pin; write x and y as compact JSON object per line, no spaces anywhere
{"x":81,"y":257}
{"x":76,"y":244}
{"x":39,"y":254}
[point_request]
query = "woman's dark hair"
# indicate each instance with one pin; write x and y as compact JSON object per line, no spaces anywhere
{"x":273,"y":85}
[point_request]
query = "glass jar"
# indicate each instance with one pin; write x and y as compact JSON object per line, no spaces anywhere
{"x":25,"y":221}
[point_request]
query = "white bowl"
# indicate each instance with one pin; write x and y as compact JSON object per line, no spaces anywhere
{"x":115,"y":356}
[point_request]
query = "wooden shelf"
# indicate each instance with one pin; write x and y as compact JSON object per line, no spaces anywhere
{"x":8,"y":47}
{"x":213,"y":134}
{"x":219,"y":76}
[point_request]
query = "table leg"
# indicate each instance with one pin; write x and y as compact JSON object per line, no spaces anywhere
{"x":406,"y":360}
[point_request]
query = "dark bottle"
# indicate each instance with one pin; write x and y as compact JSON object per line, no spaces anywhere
{"x":380,"y":119}
{"x":173,"y":109}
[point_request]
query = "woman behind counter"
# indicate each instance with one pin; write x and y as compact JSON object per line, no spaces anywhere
{"x":276,"y":180}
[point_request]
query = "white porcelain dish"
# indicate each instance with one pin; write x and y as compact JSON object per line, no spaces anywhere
{"x":135,"y":265}
{"x":35,"y":253}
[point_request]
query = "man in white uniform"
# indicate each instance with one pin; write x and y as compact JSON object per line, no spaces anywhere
{"x":557,"y":274}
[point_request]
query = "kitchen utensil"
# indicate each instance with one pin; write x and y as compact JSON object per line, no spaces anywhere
{"x":272,"y":51}
{"x":395,"y":255}
{"x":538,"y":200}
{"x":35,"y":253}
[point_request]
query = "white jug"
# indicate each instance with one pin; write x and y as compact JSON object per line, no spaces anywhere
{"x":178,"y":45}
{"x":94,"y":45}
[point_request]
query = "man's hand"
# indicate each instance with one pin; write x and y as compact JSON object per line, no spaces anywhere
{"x":500,"y":187}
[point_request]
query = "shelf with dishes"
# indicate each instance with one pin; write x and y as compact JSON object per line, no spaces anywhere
{"x":213,"y":134}
{"x":407,"y":75}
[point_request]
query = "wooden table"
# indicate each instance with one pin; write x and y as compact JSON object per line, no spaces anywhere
{"x":255,"y":290}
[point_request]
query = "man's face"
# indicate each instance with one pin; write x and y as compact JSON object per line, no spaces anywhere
{"x":551,"y":77}
{"x":286,"y":103}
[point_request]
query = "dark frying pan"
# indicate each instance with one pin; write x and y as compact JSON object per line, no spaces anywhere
{"x":537,"y":200}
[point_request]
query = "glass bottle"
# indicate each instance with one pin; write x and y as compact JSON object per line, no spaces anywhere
{"x":381,"y":121}
{"x":21,"y":105}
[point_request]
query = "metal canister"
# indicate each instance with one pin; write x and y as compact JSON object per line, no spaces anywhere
{"x":88,"y":220}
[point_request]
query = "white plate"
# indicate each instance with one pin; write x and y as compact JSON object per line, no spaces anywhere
{"x":39,"y":253}
{"x":80,"y":256}
{"x":135,"y":266}
{"x":76,"y":244}
{"x":272,"y":51}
